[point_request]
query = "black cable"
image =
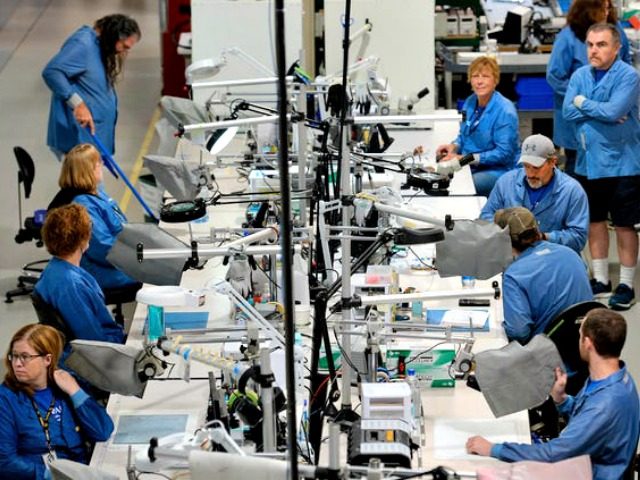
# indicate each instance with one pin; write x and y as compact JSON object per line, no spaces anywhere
{"x":344,"y":355}
{"x":430,"y":267}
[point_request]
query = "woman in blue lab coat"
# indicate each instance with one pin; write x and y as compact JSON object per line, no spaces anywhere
{"x":66,"y":286}
{"x":570,"y":53}
{"x":80,"y":180}
{"x":489,"y":129}
{"x":82,"y":78}
{"x":43,"y":411}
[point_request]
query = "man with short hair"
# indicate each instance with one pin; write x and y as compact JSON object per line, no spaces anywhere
{"x":544,"y":279}
{"x":603,"y":419}
{"x":602,"y":99}
{"x":557,"y":200}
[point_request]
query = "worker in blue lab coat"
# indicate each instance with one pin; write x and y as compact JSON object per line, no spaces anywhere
{"x":489,"y":130}
{"x":82,"y":78}
{"x":66,"y":286}
{"x":602,"y":101}
{"x":544,"y":279}
{"x":603,"y":418}
{"x":80,"y":180}
{"x":558,"y":201}
{"x":44,"y":414}
{"x":570,"y":53}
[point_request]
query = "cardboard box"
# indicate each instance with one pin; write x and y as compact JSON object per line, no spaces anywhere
{"x":432,"y":367}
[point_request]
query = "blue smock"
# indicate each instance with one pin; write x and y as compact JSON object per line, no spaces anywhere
{"x":75,"y":294}
{"x":563,"y":213}
{"x":603,"y":423}
{"x":541,"y":282}
{"x":78,"y":68}
{"x":106,"y":223}
{"x":22,"y":441}
{"x":607,"y":146}
{"x":570,"y":53}
{"x":494,"y":137}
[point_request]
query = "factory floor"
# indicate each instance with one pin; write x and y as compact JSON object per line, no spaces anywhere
{"x":31,"y":31}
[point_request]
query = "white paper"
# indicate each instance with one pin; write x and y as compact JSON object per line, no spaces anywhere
{"x":450,"y":435}
{"x":461,"y":318}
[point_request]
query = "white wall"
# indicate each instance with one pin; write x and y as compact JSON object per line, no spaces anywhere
{"x":247,"y":24}
{"x":402,"y":37}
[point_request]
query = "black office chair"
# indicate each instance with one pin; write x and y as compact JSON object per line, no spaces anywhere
{"x":119,"y":295}
{"x":564,"y":332}
{"x":29,"y":230}
{"x":48,"y":315}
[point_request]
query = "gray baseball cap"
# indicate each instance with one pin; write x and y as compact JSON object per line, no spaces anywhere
{"x":536,"y":149}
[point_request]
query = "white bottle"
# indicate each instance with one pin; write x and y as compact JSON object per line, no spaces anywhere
{"x":416,"y":398}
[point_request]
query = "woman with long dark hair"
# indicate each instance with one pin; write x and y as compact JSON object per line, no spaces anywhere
{"x":82,"y":78}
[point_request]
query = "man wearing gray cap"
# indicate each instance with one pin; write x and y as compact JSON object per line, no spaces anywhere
{"x":544,"y":279}
{"x":558,"y":201}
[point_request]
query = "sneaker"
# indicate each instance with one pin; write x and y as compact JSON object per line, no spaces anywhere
{"x":622,"y":298}
{"x":599,"y":289}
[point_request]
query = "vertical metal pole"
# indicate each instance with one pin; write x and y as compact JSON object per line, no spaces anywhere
{"x":345,"y":243}
{"x":268,"y":408}
{"x":302,"y":150}
{"x":286,"y":228}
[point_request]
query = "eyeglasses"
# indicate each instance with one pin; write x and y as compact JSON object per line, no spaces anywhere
{"x":23,"y":357}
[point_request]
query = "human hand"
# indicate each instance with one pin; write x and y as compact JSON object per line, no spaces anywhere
{"x":558,"y":390}
{"x":448,"y":167}
{"x":622,"y":119}
{"x":578,"y":100}
{"x":479,"y":446}
{"x":83,"y":116}
{"x":419,"y":150}
{"x":446,"y":152}
{"x":66,"y":382}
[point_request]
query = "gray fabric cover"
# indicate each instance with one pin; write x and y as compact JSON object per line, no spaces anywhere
{"x":63,"y":469}
{"x":182,"y":111}
{"x":474,"y":247}
{"x":177,"y":177}
{"x":108,"y":366}
{"x":123,"y":254}
{"x":516,"y":377}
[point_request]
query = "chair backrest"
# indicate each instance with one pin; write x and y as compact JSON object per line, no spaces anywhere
{"x":48,"y":315}
{"x":26,"y":169}
{"x":564,"y":331}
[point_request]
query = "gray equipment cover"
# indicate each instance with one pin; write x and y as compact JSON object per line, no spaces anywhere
{"x":515,"y":377}
{"x":63,"y":469}
{"x":177,"y":177}
{"x":159,"y":271}
{"x":182,"y":111}
{"x":108,"y":366}
{"x":474,"y":247}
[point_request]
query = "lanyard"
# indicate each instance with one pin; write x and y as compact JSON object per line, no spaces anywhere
{"x":474,"y":121}
{"x":44,"y":423}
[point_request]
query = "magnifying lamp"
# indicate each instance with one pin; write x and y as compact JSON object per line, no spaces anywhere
{"x":208,"y":67}
{"x":219,"y":140}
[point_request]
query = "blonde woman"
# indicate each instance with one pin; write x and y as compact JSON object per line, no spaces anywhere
{"x":489,"y":129}
{"x":80,"y":179}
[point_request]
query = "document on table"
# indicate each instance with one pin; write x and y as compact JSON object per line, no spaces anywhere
{"x":450,"y":434}
{"x":139,"y":428}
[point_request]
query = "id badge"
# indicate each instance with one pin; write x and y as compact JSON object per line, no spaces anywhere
{"x":49,"y":457}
